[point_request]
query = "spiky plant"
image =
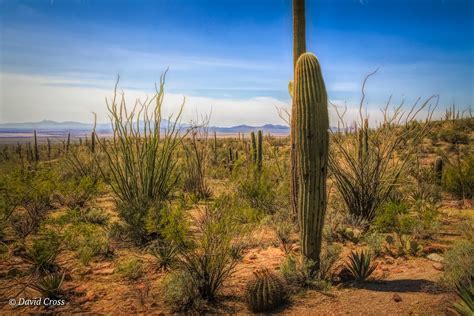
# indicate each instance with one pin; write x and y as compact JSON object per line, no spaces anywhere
{"x":140,"y":160}
{"x":466,"y":304}
{"x":50,"y":285}
{"x":312,"y":144}
{"x":165,"y":253}
{"x":360,"y":265}
{"x":265,"y":292}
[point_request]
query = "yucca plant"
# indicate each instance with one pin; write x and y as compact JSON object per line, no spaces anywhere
{"x":141,"y":158}
{"x":466,"y":304}
{"x":165,"y":253}
{"x":360,"y":265}
{"x":50,"y":286}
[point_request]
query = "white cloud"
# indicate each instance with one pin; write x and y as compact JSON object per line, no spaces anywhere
{"x":32,"y":98}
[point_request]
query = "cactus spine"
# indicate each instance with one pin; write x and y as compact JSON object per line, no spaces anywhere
{"x":312,"y":144}
{"x":299,"y":48}
{"x":265,"y":292}
{"x":36,"y":151}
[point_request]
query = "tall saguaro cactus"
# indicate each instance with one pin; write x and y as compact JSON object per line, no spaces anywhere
{"x":312,"y":144}
{"x":299,"y":47}
{"x":36,"y":150}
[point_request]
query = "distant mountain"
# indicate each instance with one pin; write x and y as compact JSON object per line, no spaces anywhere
{"x":47,"y":126}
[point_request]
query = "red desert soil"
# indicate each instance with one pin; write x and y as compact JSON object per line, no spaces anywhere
{"x":402,"y":286}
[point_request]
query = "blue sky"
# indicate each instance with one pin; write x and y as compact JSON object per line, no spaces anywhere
{"x":234,"y":56}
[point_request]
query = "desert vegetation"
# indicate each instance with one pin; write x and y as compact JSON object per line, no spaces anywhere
{"x":174,"y":218}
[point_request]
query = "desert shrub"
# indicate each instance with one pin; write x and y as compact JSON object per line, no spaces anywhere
{"x":459,"y":265}
{"x":458,"y":177}
{"x":131,"y":268}
{"x":88,"y":240}
{"x":394,"y":217}
{"x":367,"y":164}
{"x":140,"y":159}
{"x":75,"y":192}
{"x":360,"y":265}
{"x":196,"y":151}
{"x":299,"y":273}
{"x":50,"y":286}
{"x":284,"y":227}
{"x":43,"y":251}
{"x":96,"y":216}
{"x":258,"y":191}
{"x":265,"y":292}
{"x":29,"y":190}
{"x":211,"y":257}
{"x":375,"y":241}
{"x":178,"y":293}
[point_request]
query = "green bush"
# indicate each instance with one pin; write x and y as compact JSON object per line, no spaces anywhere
{"x":131,"y":268}
{"x":178,"y":293}
{"x":210,"y":258}
{"x":360,"y":265}
{"x":43,"y":251}
{"x":458,"y":178}
{"x":88,"y":240}
{"x":459,"y":265}
{"x":258,"y":191}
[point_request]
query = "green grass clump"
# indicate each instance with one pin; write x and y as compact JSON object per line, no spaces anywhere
{"x":360,"y":265}
{"x":131,"y":269}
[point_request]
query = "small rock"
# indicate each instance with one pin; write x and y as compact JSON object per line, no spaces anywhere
{"x":433,"y":249}
{"x":105,"y":271}
{"x":253,"y":257}
{"x":397,"y":298}
{"x":435,"y":257}
{"x":438,"y":266}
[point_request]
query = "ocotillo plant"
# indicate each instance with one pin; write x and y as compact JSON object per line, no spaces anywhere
{"x":312,"y":144}
{"x":259,"y":150}
{"x":215,"y":147}
{"x":36,"y":151}
{"x":299,"y":47}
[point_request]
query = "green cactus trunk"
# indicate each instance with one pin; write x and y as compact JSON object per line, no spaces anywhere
{"x":299,"y":48}
{"x":36,"y":151}
{"x":312,"y":144}
{"x":254,"y":147}
{"x":259,"y":150}
{"x":93,"y":142}
{"x":49,"y":148}
{"x":68,"y":142}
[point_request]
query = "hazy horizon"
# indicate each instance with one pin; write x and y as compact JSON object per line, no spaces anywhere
{"x":60,"y":59}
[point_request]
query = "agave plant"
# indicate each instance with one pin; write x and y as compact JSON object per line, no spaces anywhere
{"x":50,"y":285}
{"x":360,"y":265}
{"x":466,"y":305}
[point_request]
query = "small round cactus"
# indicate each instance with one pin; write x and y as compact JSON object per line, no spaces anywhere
{"x":265,"y":292}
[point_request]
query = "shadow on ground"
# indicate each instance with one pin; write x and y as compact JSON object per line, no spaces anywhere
{"x":402,"y":286}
